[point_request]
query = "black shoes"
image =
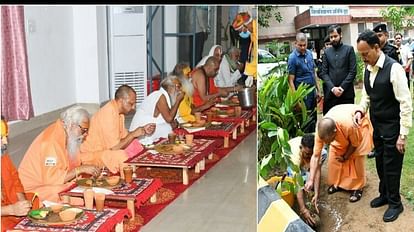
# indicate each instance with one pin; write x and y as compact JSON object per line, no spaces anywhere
{"x":378,"y":202}
{"x":392,"y":213}
{"x":371,"y":154}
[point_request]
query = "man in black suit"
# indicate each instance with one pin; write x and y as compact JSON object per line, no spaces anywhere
{"x":390,"y":109}
{"x":389,"y":50}
{"x":338,"y":71}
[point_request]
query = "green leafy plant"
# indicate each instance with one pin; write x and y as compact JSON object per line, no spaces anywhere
{"x":360,"y":70}
{"x":282,"y":115}
{"x":399,"y":16}
{"x":278,"y":104}
{"x":267,"y":13}
{"x":280,"y":158}
{"x":277,"y":48}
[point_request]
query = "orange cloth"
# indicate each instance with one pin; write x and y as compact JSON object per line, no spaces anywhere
{"x":197,"y":100}
{"x":349,"y":175}
{"x":212,"y":89}
{"x":106,"y":129}
{"x":46,"y":164}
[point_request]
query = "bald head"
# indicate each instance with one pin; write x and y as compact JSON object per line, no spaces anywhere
{"x":212,"y":60}
{"x":327,"y":129}
{"x":123,"y":91}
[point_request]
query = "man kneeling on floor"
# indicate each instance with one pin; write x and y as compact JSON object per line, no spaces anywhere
{"x":302,"y":150}
{"x":348,"y":145}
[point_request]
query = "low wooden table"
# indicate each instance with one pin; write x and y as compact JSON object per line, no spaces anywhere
{"x":92,"y":220}
{"x":243,"y":119}
{"x":201,"y":149}
{"x":224,"y":130}
{"x":135,"y":193}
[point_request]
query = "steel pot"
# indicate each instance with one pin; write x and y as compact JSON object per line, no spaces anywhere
{"x":247,"y":97}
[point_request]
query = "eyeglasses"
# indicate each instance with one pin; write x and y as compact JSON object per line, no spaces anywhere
{"x":83,"y":129}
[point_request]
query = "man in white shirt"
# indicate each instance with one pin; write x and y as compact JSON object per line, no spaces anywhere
{"x":390,"y":109}
{"x":406,"y":55}
{"x":229,"y":71}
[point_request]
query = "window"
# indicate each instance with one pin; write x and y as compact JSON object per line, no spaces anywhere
{"x":361,"y":27}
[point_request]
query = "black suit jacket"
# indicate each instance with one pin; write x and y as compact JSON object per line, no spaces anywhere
{"x":339,"y":69}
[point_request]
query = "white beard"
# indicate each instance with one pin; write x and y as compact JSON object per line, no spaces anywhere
{"x":73,"y":145}
{"x":173,"y":97}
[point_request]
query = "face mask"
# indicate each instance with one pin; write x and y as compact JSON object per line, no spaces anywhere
{"x":245,"y":34}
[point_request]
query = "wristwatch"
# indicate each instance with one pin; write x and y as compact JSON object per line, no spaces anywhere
{"x":403,"y":137}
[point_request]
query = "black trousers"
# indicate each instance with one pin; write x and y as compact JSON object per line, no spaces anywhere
{"x":389,"y":164}
{"x":407,"y":74}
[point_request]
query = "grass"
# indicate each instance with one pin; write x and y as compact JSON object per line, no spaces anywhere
{"x":407,"y":177}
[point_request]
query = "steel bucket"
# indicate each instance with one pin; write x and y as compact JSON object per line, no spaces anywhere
{"x":247,"y":97}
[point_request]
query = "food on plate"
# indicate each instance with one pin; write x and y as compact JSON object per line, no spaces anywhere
{"x":187,"y":125}
{"x":199,"y":123}
{"x":99,"y":182}
{"x":89,"y":182}
{"x":76,"y":210}
{"x":39,"y":213}
{"x":178,"y":148}
{"x":214,"y":109}
{"x":230,"y":111}
{"x":113,"y":180}
{"x":67,"y":215}
{"x":56,"y":208}
{"x":235,"y":99}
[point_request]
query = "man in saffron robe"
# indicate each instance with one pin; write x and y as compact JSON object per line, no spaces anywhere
{"x":52,"y":162}
{"x":199,"y":76}
{"x":108,"y":140}
{"x":348,"y":145}
{"x":14,"y":202}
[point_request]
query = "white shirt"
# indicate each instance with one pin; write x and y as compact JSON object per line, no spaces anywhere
{"x":144,"y":115}
{"x":399,"y":85}
{"x":226,"y":78}
{"x":405,"y":54}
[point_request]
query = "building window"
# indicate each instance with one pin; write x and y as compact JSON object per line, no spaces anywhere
{"x":361,"y":27}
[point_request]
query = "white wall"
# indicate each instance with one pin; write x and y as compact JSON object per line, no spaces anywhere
{"x":50,"y":57}
{"x":102,"y":33}
{"x":86,"y":54}
{"x":67,"y":55}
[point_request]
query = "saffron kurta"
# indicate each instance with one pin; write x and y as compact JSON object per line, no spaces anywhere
{"x":10,"y":186}
{"x":251,"y":64}
{"x":106,"y":129}
{"x":349,"y":175}
{"x":46,"y":163}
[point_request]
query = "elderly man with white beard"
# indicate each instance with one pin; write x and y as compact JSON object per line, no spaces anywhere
{"x":160,"y":107}
{"x":52,"y":161}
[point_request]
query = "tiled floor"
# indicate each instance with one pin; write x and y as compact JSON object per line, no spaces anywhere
{"x":224,"y":199}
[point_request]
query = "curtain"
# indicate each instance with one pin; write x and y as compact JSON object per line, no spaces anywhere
{"x":16,"y":101}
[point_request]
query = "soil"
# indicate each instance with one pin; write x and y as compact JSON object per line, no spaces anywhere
{"x":338,"y":214}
